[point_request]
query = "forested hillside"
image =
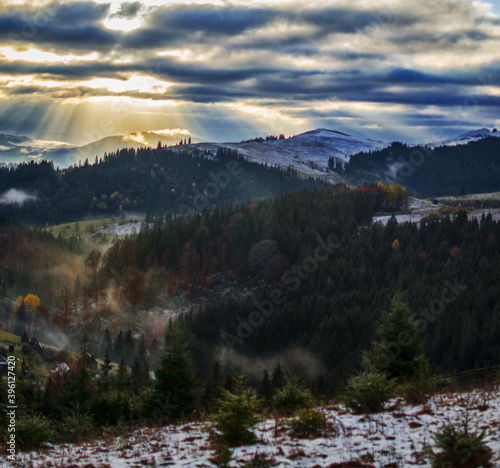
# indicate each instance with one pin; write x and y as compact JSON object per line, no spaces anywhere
{"x":156,"y":181}
{"x":448,"y":271}
{"x":319,"y":271}
{"x":293,"y":285}
{"x":432,"y":172}
{"x":328,"y":274}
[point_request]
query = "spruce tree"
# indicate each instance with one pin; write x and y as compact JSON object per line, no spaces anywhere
{"x":106,"y":343}
{"x":81,"y":388}
{"x":399,"y":351}
{"x":118,"y":349}
{"x":237,"y":413}
{"x":212,"y":387}
{"x":106,"y":367}
{"x":141,"y":348}
{"x":128,"y":347}
{"x":145,"y":373}
{"x":175,"y":383}
{"x":122,"y":375}
{"x":136,"y":376}
{"x":278,"y":378}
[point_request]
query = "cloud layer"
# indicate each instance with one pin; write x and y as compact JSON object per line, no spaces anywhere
{"x":406,"y":67}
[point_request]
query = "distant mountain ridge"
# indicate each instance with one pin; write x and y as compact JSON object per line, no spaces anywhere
{"x":308,"y":153}
{"x":17,"y":149}
{"x":464,"y":138}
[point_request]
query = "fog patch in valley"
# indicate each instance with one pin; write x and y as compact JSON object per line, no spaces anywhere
{"x":15,"y":197}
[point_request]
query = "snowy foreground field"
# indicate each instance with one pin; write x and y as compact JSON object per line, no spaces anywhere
{"x":395,"y":438}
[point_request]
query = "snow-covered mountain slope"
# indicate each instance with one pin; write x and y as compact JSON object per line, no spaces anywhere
{"x":464,"y":138}
{"x":308,"y":152}
{"x":396,"y":437}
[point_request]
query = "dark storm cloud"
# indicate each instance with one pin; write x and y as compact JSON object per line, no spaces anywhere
{"x":352,"y":21}
{"x":71,"y":71}
{"x":441,"y":40}
{"x":207,"y":94}
{"x":402,"y":75}
{"x":77,"y":25}
{"x":176,"y":25}
{"x":435,"y":98}
{"x":76,"y":13}
{"x":200,"y":83}
{"x":228,"y":21}
{"x":66,"y":26}
{"x":440,"y":121}
{"x":278,"y":55}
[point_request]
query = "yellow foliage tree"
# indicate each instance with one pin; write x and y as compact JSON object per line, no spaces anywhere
{"x":32,"y":302}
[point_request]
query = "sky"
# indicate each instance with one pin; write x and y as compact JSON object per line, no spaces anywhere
{"x":75,"y":72}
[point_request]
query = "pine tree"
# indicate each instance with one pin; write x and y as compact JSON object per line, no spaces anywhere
{"x":278,"y":378}
{"x":118,"y":349}
{"x":128,"y":347}
{"x":145,"y":373}
{"x":212,"y":387}
{"x":141,"y":349}
{"x":106,"y":343}
{"x":399,"y":350}
{"x":136,"y":376}
{"x":81,"y":388}
{"x":106,"y":367}
{"x":238,"y":413}
{"x":174,"y":378}
{"x":121,"y":378}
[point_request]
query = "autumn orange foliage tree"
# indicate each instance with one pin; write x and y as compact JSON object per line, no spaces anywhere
{"x":32,"y":302}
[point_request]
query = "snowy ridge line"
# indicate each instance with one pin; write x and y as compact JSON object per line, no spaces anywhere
{"x":468,"y":137}
{"x":307,"y":152}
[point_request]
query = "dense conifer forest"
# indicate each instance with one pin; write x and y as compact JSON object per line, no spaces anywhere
{"x":321,"y":279}
{"x":431,"y":172}
{"x":155,"y":181}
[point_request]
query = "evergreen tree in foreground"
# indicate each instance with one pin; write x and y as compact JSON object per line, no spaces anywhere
{"x":175,"y":385}
{"x":397,"y":356}
{"x":237,"y":414}
{"x":399,"y":352}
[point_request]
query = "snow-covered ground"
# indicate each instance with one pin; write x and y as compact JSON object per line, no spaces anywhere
{"x":419,"y":209}
{"x":121,"y":229}
{"x":307,"y":153}
{"x":395,"y":438}
{"x":474,"y":135}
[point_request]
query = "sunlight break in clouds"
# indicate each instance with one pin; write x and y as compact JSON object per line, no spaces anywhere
{"x":231,"y":70}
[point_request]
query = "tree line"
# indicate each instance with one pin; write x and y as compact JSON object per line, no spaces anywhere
{"x":430,"y":172}
{"x":156,"y":181}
